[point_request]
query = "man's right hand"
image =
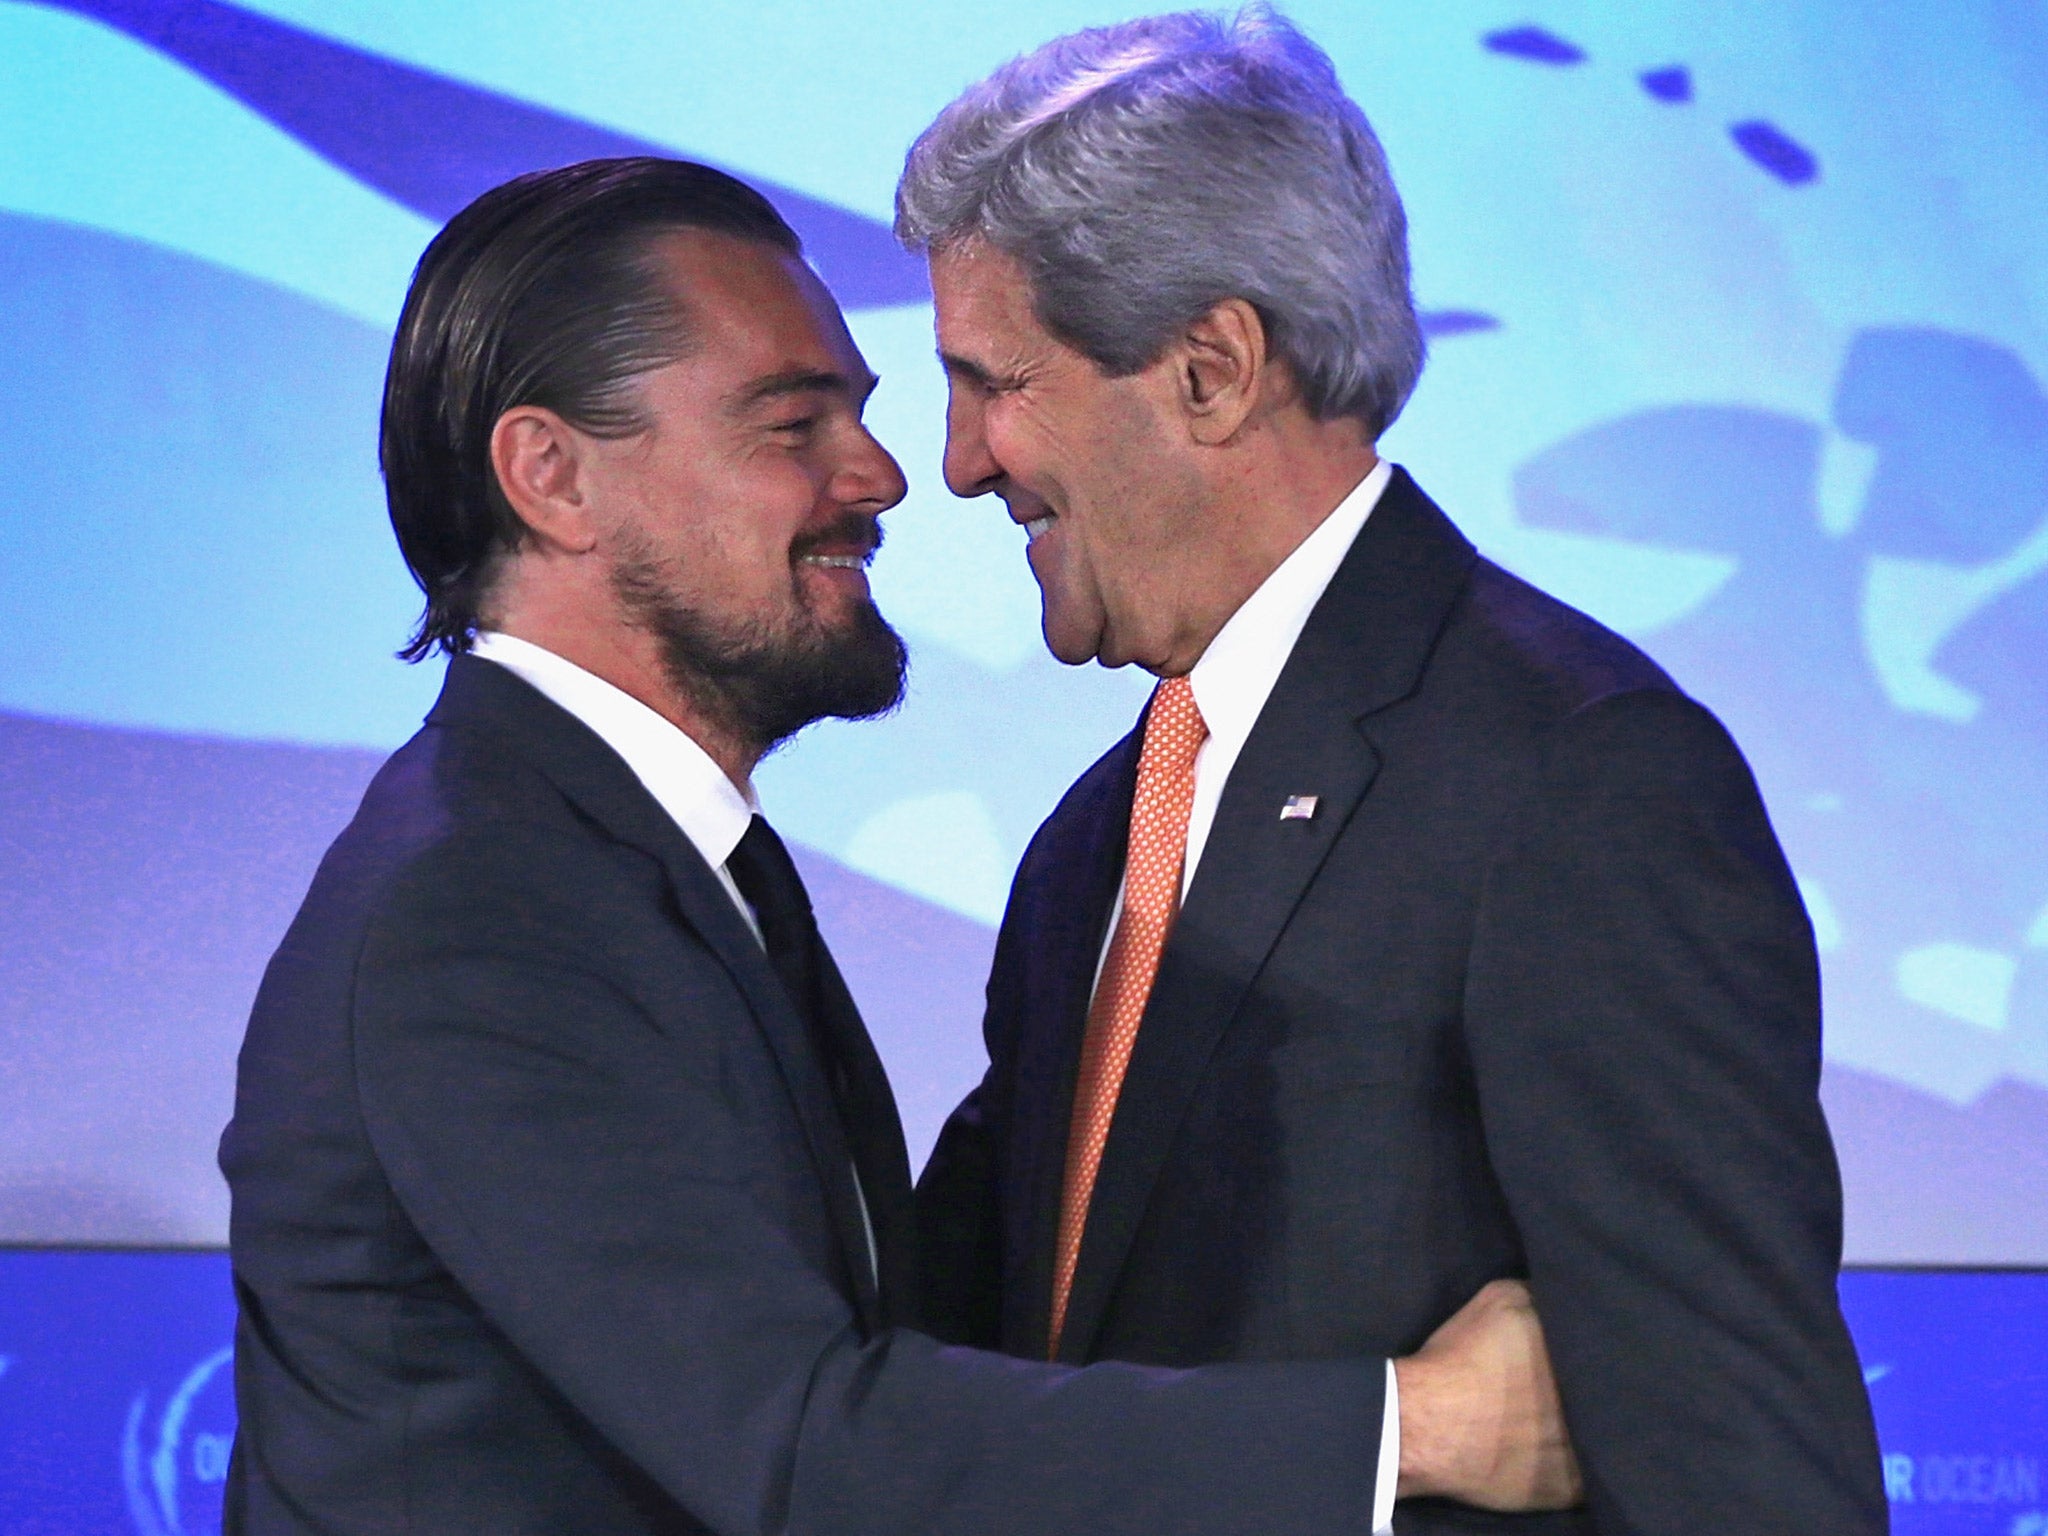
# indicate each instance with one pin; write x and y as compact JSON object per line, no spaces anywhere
{"x":1480,"y":1417}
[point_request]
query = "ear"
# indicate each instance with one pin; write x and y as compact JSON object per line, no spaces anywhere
{"x":538,"y":459}
{"x":1223,"y":368}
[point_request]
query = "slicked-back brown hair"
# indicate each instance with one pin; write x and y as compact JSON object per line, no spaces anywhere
{"x":544,"y":291}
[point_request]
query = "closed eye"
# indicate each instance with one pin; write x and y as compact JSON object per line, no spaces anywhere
{"x":977,"y":378}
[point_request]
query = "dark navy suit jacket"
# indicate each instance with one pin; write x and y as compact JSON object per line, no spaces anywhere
{"x":1532,"y":993}
{"x":544,"y":1219}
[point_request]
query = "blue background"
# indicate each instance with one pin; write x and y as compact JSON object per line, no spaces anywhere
{"x":1739,"y":320}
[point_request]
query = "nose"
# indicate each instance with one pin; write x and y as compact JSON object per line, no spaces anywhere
{"x":970,"y":464}
{"x":871,"y":480}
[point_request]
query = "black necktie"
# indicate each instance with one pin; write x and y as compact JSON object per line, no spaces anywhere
{"x":766,"y":875}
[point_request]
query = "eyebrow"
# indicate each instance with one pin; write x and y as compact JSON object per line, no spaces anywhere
{"x":804,"y":381}
{"x":973,"y":372}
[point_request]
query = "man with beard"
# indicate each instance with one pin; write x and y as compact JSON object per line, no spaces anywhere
{"x":568,"y":1191}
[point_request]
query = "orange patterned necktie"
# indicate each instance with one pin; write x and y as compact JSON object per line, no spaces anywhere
{"x":1152,"y":876}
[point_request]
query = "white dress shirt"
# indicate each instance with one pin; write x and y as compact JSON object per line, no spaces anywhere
{"x":711,"y":810}
{"x":1231,"y":683}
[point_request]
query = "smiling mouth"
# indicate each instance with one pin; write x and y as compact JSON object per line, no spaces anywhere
{"x":848,"y":543}
{"x":1036,"y":528}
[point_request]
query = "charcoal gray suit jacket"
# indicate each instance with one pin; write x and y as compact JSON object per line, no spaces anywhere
{"x":544,"y":1218}
{"x":1532,"y":993}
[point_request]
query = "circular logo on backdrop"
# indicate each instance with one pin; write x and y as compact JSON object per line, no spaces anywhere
{"x":174,"y":1459}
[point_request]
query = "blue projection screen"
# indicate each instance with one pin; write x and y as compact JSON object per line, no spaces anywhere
{"x":1739,"y":322}
{"x":1739,"y":334}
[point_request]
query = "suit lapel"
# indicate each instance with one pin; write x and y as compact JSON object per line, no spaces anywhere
{"x":1363,"y":649}
{"x":1072,"y":919}
{"x":597,"y":781}
{"x":876,"y":1133}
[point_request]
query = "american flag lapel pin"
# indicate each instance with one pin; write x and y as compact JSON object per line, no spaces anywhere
{"x":1298,"y":808}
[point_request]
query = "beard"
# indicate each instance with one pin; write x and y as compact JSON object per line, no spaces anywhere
{"x":763,"y":679}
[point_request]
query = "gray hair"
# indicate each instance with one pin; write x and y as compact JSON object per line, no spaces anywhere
{"x":1142,"y":173}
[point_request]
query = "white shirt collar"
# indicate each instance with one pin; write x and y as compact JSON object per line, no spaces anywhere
{"x":711,"y":810}
{"x":1237,"y":672}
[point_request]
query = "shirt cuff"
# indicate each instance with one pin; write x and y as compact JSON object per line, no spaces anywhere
{"x":1390,"y":1458}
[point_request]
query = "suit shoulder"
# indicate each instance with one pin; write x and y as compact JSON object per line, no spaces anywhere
{"x":508,"y":846}
{"x":453,"y":828}
{"x":1648,"y":743}
{"x":444,"y":787}
{"x":1630,"y":759}
{"x":1536,"y":657}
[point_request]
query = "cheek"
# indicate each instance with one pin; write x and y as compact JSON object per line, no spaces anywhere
{"x":1039,"y":448}
{"x":724,"y":529}
{"x":761,"y":501}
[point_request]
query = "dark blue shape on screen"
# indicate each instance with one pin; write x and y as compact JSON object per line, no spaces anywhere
{"x":1439,"y":323}
{"x":1770,"y":147}
{"x":433,"y":143}
{"x":1535,"y":45}
{"x":1960,"y":427}
{"x":1672,"y":85}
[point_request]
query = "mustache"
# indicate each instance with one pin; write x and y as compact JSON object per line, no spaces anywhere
{"x":864,"y":534}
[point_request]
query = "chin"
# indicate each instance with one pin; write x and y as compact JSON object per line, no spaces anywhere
{"x":1074,"y":649}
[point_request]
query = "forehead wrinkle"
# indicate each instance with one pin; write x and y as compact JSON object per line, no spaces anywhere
{"x":994,"y":317}
{"x":988,"y":352}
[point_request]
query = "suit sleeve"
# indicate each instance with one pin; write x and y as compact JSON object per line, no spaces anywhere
{"x":959,"y":1232}
{"x":959,"y":1194}
{"x":594,"y":1170}
{"x":1643,"y":1016}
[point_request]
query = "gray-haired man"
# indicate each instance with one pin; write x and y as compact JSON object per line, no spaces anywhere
{"x":1422,"y":932}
